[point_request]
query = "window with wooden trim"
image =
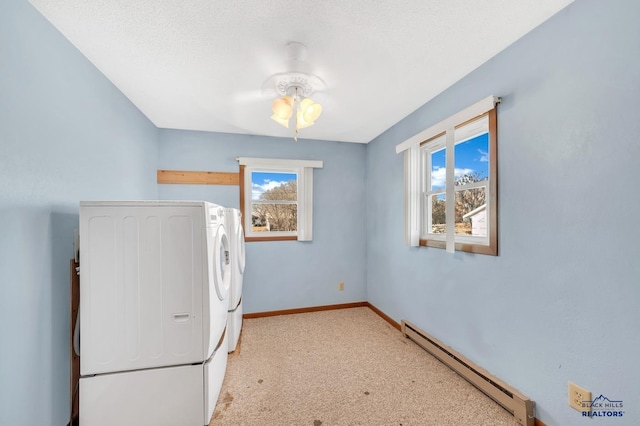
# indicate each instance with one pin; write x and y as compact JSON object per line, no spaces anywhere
{"x":276,"y":198}
{"x":451,"y":183}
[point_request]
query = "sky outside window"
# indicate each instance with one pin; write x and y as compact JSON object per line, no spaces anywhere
{"x":264,"y":181}
{"x":471,"y":156}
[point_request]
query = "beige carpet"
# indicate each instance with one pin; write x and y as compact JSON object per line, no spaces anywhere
{"x":343,"y":367}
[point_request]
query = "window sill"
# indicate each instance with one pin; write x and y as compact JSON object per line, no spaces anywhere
{"x":254,"y":239}
{"x":465,"y":247}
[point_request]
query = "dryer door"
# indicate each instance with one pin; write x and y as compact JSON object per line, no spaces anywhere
{"x":221,"y":264}
{"x":240,"y":248}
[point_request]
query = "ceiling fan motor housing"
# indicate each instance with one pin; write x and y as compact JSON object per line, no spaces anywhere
{"x":286,"y":83}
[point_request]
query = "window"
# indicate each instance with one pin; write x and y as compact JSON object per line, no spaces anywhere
{"x":451,"y":182}
{"x":276,"y":198}
{"x":274,"y":202}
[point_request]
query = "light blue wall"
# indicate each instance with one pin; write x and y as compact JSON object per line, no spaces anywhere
{"x":66,"y":134}
{"x":286,"y":274}
{"x":560,"y":302}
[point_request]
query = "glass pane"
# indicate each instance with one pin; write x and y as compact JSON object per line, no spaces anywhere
{"x":471,"y":212}
{"x":274,"y":217}
{"x":438,"y":170}
{"x":472,"y":160}
{"x":274,"y":186}
{"x":437,"y":214}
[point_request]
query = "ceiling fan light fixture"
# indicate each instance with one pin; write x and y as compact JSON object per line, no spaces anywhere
{"x":306,"y":109}
{"x":294,"y":89}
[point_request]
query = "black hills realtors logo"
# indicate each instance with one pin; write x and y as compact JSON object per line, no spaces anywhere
{"x":603,"y":407}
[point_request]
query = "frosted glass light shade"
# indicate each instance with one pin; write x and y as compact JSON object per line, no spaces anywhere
{"x":307,"y":112}
{"x":283,"y":107}
{"x":301,"y":123}
{"x":282,"y":121}
{"x":310,"y":110}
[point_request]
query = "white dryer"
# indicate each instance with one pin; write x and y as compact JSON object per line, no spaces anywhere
{"x":236,"y":235}
{"x":154,"y":287}
{"x":220,"y":272}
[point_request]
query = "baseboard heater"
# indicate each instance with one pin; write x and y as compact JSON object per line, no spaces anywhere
{"x":513,"y":401}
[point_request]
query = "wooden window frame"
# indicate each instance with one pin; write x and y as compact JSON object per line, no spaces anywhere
{"x":305,"y":171}
{"x":492,"y":219}
{"x":243,"y":210}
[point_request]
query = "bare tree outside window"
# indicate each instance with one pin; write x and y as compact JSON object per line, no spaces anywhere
{"x":468,"y":200}
{"x":276,"y":209}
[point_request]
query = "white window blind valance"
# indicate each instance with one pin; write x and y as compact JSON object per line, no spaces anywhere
{"x":277,"y":162}
{"x":412,"y":196}
{"x":466,"y":114}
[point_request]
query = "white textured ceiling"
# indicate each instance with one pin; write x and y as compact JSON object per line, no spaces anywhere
{"x":201,"y":64}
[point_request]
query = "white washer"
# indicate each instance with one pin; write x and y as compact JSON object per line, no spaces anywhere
{"x":154,"y":287}
{"x":236,"y":235}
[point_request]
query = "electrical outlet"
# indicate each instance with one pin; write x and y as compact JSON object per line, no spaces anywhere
{"x":340,"y":286}
{"x":579,"y":398}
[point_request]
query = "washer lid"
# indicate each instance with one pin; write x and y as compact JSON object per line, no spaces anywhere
{"x":221,"y":264}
